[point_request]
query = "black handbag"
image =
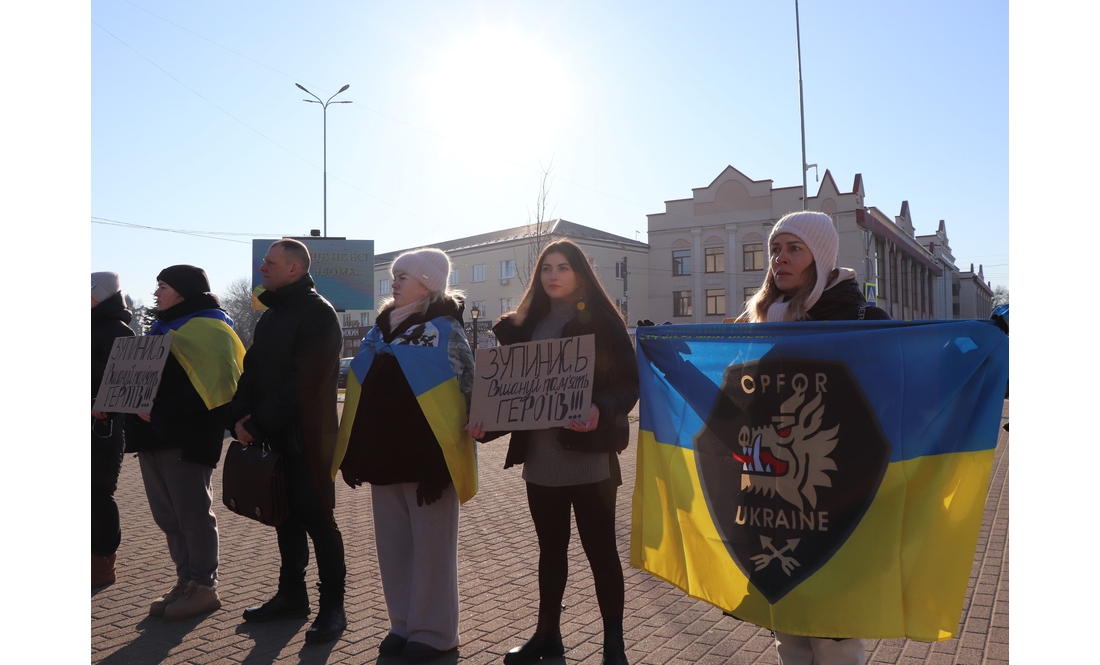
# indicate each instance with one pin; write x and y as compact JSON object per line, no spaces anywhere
{"x":252,"y":483}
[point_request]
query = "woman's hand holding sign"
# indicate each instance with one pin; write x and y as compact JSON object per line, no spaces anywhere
{"x":588,"y":425}
{"x":475,"y":430}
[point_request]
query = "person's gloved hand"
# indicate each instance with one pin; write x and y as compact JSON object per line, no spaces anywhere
{"x":428,"y":492}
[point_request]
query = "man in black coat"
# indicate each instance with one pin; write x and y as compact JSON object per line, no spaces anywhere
{"x":110,"y":320}
{"x":286,"y":398}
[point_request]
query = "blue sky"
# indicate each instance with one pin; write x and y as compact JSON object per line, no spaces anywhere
{"x":196,"y":124}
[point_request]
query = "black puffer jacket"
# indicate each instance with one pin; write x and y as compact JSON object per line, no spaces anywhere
{"x":391,"y":441}
{"x":179,"y":418}
{"x":614,"y":385}
{"x":110,"y":320}
{"x":843,"y":303}
{"x":289,"y":382}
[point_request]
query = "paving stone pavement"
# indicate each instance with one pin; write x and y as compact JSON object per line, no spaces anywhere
{"x":498,"y":591}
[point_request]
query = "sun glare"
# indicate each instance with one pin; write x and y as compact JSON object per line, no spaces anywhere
{"x":500,"y":91}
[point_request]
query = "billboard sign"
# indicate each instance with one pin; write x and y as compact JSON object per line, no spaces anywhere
{"x":342,"y":269}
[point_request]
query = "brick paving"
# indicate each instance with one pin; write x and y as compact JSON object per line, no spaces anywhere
{"x":498,"y":591}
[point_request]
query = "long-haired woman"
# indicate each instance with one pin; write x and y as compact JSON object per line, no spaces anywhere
{"x":574,"y":468}
{"x":805,"y":284}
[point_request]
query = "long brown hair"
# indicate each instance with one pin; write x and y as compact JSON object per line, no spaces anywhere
{"x":536,"y":301}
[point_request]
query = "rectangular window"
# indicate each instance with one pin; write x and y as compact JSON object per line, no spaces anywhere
{"x":681,"y":303}
{"x":681,"y":262}
{"x":384,"y":286}
{"x":750,"y":291}
{"x":508,"y":269}
{"x":895,"y":274}
{"x":880,"y":261}
{"x":715,"y":258}
{"x":716,"y":301}
{"x":754,"y":256}
{"x":477,"y":274}
{"x":907,"y":282}
{"x":479,"y":305}
{"x":454,"y":277}
{"x":507,"y":305}
{"x":619,"y":270}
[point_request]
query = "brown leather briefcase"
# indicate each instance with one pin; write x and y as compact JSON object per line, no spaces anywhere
{"x":252,"y":483}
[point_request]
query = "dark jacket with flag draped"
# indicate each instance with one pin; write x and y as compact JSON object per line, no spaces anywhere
{"x":391,"y":441}
{"x":180,"y":417}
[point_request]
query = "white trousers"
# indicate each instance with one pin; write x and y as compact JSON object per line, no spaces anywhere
{"x":800,"y":650}
{"x":418,"y":560}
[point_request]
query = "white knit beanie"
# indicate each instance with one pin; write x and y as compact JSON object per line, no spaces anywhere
{"x":104,"y":285}
{"x":816,"y":230}
{"x":430,"y":267}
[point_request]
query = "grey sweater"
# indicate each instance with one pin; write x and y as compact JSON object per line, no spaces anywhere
{"x":547,"y":463}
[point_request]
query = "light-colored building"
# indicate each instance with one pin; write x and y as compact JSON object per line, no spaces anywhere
{"x":975,"y":298}
{"x":494,"y":268}
{"x":944,"y":286}
{"x":708,"y":253}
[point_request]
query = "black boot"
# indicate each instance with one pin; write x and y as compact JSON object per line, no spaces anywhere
{"x":285,"y":605}
{"x":331,"y":621}
{"x":541,"y":645}
{"x":614,"y":650}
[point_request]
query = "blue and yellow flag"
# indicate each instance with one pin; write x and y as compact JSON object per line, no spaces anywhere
{"x":424,"y":354}
{"x":823,"y":479}
{"x":209,"y":351}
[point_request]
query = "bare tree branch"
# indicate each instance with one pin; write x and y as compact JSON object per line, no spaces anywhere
{"x":237,"y":300}
{"x":538,"y":230}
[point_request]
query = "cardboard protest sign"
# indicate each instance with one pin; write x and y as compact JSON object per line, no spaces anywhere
{"x":536,"y":385}
{"x":132,"y":376}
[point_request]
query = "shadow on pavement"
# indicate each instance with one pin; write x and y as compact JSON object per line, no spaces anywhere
{"x":156,"y":639}
{"x":269,"y":639}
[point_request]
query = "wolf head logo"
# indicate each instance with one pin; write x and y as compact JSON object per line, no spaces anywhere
{"x":789,"y":457}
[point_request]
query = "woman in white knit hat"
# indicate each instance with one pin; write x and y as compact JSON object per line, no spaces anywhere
{"x":805,"y":284}
{"x":419,"y":461}
{"x":803,"y":281}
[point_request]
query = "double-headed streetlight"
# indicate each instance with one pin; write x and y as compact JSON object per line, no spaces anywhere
{"x":324,"y":113}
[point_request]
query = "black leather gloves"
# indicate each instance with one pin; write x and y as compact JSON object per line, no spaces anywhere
{"x":428,"y":492}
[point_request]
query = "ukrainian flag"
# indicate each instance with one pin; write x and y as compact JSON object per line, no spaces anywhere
{"x":428,"y":369}
{"x":819,"y":478}
{"x":209,"y":351}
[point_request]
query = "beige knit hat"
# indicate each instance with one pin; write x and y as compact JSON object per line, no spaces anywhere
{"x":104,"y":285}
{"x":817,"y":231}
{"x":430,"y":267}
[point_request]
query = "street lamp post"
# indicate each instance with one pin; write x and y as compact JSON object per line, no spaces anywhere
{"x":474,"y":313}
{"x":324,"y":114}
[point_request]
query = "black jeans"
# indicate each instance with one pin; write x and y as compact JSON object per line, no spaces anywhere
{"x":594,"y":507}
{"x":108,"y":446}
{"x":310,"y":514}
